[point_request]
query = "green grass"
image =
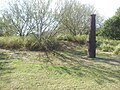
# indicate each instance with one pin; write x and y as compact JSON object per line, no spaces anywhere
{"x":117,"y":50}
{"x":81,"y":39}
{"x":29,"y":43}
{"x":57,"y":43}
{"x":68,"y":70}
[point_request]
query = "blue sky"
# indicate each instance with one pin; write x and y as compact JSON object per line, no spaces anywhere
{"x":106,"y":8}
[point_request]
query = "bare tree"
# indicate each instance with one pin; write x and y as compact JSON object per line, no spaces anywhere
{"x":19,"y":16}
{"x":6,"y":25}
{"x":76,"y":17}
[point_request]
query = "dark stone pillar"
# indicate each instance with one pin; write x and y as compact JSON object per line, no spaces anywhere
{"x":92,"y":37}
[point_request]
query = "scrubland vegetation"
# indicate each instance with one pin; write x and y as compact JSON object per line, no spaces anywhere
{"x":46,"y":48}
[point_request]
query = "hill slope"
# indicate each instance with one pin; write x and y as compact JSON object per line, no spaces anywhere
{"x":70,"y":70}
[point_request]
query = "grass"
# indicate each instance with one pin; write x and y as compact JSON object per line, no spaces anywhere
{"x":68,"y":70}
{"x":117,"y":50}
{"x":29,"y":43}
{"x":57,"y":43}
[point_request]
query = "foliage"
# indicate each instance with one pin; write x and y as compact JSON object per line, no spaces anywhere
{"x":29,"y":43}
{"x":81,"y":39}
{"x":106,"y":47}
{"x":33,"y":16}
{"x":102,"y":40}
{"x":117,"y":50}
{"x":11,"y":42}
{"x":37,"y":18}
{"x":75,"y":17}
{"x":111,"y":27}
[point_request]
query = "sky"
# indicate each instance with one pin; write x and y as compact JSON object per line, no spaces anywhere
{"x":106,"y":8}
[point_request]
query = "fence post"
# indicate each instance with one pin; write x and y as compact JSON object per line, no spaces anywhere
{"x":92,"y":37}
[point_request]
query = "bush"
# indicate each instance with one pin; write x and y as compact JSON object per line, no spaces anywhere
{"x":15,"y":43}
{"x":2,"y":42}
{"x":106,"y":47}
{"x":101,"y":40}
{"x":81,"y":39}
{"x":117,"y":50}
{"x":68,"y":37}
{"x":51,"y":44}
{"x":111,"y":28}
{"x":29,"y":43}
{"x":11,"y":42}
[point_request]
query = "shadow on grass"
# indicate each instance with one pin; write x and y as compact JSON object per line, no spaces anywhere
{"x":5,"y":68}
{"x":3,"y":56}
{"x":108,"y":60}
{"x":85,"y":67}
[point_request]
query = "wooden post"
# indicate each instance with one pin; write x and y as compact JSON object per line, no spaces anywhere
{"x":92,"y":37}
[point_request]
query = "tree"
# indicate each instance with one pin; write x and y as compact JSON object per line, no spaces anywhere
{"x":32,"y":16}
{"x":44,"y":18}
{"x":111,"y":27}
{"x":36,"y":17}
{"x":118,"y":12}
{"x":19,"y":16}
{"x":76,"y":17}
{"x":6,"y":27}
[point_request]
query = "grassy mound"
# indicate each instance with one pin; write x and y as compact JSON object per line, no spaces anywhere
{"x":21,"y":70}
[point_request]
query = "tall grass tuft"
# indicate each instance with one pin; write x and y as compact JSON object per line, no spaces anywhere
{"x":81,"y":39}
{"x":11,"y":42}
{"x":106,"y":47}
{"x":117,"y":50}
{"x":29,"y":43}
